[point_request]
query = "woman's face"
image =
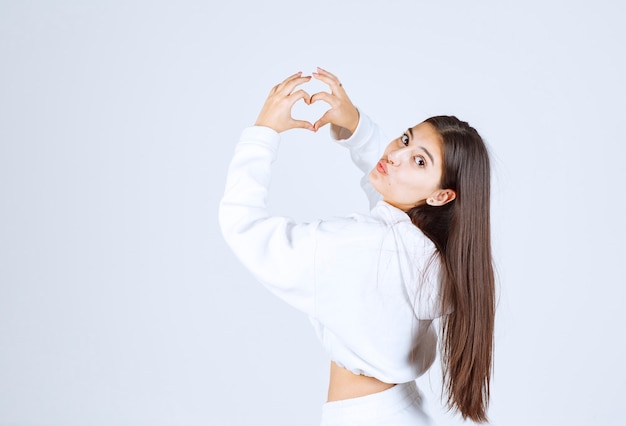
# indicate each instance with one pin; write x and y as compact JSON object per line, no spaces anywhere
{"x":409,"y":172}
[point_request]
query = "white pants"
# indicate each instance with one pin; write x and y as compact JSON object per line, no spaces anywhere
{"x":397,"y":406}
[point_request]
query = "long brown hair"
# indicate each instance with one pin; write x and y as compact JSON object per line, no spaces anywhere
{"x":461,"y":232}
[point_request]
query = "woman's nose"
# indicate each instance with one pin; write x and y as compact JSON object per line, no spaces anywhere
{"x":396,"y":156}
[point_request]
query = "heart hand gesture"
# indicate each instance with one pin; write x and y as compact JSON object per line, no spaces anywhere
{"x":276,"y":112}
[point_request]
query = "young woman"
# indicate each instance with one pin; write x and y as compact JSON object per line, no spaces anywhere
{"x":373,"y":284}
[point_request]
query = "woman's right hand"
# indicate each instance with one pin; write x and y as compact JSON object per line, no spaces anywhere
{"x":276,"y":112}
{"x":342,"y":112}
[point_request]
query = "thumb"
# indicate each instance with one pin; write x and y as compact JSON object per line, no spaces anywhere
{"x":302,"y":124}
{"x":324,"y":120}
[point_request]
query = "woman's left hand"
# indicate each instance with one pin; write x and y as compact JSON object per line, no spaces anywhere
{"x":276,"y":112}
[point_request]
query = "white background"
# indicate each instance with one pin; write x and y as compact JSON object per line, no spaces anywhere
{"x":121,"y":305}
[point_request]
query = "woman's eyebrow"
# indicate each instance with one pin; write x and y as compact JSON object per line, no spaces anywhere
{"x":432,"y":160}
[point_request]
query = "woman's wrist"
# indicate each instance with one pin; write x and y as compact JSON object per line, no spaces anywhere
{"x":354,"y":123}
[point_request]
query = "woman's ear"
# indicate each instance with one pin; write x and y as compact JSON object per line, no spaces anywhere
{"x":441,"y":197}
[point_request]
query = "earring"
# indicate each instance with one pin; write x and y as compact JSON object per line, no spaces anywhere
{"x":430,"y":201}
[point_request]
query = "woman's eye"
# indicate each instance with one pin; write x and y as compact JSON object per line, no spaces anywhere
{"x":405,"y":139}
{"x":420,"y":161}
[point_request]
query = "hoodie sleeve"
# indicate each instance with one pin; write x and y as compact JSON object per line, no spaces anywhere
{"x":276,"y":250}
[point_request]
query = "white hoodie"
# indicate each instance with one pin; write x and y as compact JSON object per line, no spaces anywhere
{"x":369,"y":283}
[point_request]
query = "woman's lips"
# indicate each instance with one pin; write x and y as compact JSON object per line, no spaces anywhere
{"x":381,"y":167}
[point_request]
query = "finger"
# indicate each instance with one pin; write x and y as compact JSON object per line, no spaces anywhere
{"x":300,"y":94}
{"x":324,"y":97}
{"x":328,"y":73}
{"x":280,"y":86}
{"x":288,"y":86}
{"x":291,"y":77}
{"x":335,"y":85}
{"x":302,"y":124}
{"x":328,"y":78}
{"x":282,"y":83}
{"x":324,"y":120}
